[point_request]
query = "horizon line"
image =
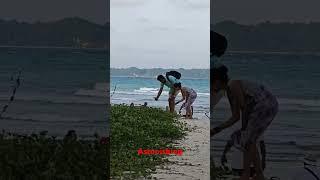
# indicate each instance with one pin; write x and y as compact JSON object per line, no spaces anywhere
{"x":53,"y":20}
{"x":266,"y":21}
{"x":108,"y":22}
{"x":160,"y":68}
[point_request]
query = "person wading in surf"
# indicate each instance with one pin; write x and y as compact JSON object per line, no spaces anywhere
{"x":170,"y":80}
{"x":257,"y":107}
{"x":189,"y":95}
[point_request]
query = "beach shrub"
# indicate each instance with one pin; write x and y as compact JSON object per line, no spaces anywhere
{"x":39,"y":157}
{"x":218,"y":173}
{"x":140,"y":127}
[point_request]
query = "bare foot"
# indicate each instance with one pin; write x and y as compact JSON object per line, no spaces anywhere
{"x":256,"y":178}
{"x":245,"y":177}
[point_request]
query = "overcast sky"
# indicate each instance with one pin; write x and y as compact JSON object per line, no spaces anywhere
{"x":254,"y":11}
{"x":47,"y":10}
{"x":160,"y":33}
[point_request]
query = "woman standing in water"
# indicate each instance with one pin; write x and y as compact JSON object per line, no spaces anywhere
{"x":168,"y":81}
{"x":257,"y":107}
{"x":189,"y":96}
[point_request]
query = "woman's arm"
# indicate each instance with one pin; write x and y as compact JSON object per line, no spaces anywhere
{"x":183,"y":97}
{"x":263,"y":154}
{"x":187,"y":97}
{"x":225,"y":151}
{"x":159,"y":93}
{"x":182,"y":106}
{"x":234,"y":94}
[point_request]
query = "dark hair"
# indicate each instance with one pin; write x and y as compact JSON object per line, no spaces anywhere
{"x":218,"y":44}
{"x":219,"y":73}
{"x":177,"y":85}
{"x":160,"y":78}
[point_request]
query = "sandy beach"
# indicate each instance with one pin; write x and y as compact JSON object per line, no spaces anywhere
{"x":195,"y":161}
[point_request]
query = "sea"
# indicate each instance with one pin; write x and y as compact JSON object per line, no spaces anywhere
{"x":140,"y":90}
{"x":294,"y":79}
{"x":67,"y":89}
{"x":61,"y":89}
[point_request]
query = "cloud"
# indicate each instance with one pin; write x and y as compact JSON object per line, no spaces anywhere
{"x":165,"y":28}
{"x":189,"y":4}
{"x":126,"y":3}
{"x":143,"y":20}
{"x":192,"y":4}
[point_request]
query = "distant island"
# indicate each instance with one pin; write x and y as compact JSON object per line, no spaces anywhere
{"x":152,"y":73}
{"x":75,"y":32}
{"x":68,"y":32}
{"x":272,"y":37}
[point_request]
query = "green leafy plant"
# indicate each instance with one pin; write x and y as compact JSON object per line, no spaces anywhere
{"x":218,"y":173}
{"x":39,"y":156}
{"x":140,"y":127}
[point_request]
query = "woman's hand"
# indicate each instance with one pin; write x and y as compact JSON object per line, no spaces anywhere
{"x":179,"y":102}
{"x":223,"y":159}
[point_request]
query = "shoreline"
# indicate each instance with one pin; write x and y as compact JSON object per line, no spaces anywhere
{"x":195,"y":161}
{"x":149,"y":77}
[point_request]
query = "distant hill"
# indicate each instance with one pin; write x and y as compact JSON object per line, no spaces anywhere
{"x":68,"y":32}
{"x":269,"y":36}
{"x":151,"y":73}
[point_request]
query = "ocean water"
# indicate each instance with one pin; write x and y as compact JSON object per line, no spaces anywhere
{"x":61,"y":89}
{"x":139,"y":90}
{"x":294,"y":79}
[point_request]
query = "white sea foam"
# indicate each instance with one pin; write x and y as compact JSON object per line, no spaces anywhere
{"x":99,"y":90}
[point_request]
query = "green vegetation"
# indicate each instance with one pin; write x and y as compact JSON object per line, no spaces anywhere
{"x":218,"y":173}
{"x":67,"y":32}
{"x":140,"y":127}
{"x":39,"y":157}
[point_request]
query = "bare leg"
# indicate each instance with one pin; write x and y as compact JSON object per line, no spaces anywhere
{"x":247,"y":159}
{"x":192,"y":110}
{"x":257,"y":164}
{"x":188,"y":112}
{"x":171,"y":103}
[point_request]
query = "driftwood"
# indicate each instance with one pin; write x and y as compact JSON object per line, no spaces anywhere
{"x":15,"y":85}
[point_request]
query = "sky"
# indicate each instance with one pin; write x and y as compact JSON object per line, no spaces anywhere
{"x":243,"y":11}
{"x":255,"y":11}
{"x":50,"y":10}
{"x":160,"y":33}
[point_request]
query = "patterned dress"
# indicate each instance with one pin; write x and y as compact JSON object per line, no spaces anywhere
{"x":260,"y":108}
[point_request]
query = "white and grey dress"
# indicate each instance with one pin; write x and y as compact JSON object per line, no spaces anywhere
{"x":191,"y":97}
{"x":259,"y":111}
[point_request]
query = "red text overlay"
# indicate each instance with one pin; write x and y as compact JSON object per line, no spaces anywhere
{"x":177,"y":152}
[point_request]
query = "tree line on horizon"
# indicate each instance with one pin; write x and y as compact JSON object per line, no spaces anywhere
{"x":270,"y":36}
{"x":154,"y":72}
{"x":77,"y":32}
{"x":68,"y":32}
